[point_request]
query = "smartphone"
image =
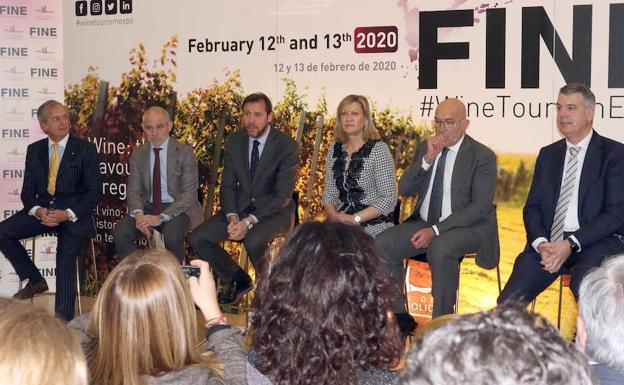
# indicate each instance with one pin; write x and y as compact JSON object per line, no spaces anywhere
{"x":191,"y":271}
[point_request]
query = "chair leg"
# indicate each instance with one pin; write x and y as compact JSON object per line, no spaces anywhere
{"x":406,"y":270}
{"x":560,"y":300}
{"x":93,"y":261}
{"x":78,"y":287}
{"x":457,"y":294}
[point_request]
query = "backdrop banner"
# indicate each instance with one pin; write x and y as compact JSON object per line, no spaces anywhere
{"x":506,"y":60}
{"x":31,"y":72}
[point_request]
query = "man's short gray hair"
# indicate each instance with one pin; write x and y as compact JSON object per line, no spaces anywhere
{"x":589,"y":99}
{"x":42,"y":111}
{"x":601,"y":306}
{"x":506,"y":345}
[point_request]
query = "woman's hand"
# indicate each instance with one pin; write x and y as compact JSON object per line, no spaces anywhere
{"x":345,"y":218}
{"x":203,"y":290}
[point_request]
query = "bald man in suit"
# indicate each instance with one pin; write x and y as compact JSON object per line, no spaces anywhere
{"x":163,"y":194}
{"x":454,"y":178}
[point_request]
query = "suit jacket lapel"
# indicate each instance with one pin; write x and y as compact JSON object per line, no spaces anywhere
{"x":243,"y":147}
{"x":172,"y":151}
{"x":68,"y":154}
{"x":558,"y":164}
{"x":43,"y":157}
{"x":459,"y":167}
{"x":144,"y":158}
{"x":591,"y":168}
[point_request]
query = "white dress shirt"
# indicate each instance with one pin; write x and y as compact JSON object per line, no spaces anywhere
{"x":446,"y":186}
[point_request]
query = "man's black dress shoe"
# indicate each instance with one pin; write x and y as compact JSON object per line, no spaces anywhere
{"x":29,"y":290}
{"x":241,"y":284}
{"x":406,"y":323}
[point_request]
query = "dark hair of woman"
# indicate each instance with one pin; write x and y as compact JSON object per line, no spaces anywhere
{"x":322,"y":312}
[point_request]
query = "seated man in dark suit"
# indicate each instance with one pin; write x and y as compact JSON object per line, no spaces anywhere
{"x":61,"y":188}
{"x":161,"y":194}
{"x":454,"y":177}
{"x":574,"y":213}
{"x":600,"y":323}
{"x":259,"y":173}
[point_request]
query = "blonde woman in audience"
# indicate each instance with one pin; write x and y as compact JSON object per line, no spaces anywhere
{"x":38,"y":349}
{"x":360,"y":179}
{"x":143,"y":327}
{"x":321,"y":315}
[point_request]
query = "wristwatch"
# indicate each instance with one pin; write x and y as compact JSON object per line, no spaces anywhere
{"x":573,"y":245}
{"x":357,"y":219}
{"x":162,"y":218}
{"x":248,"y":223}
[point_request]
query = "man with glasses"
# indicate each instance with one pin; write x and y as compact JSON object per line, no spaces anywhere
{"x":162,"y":188}
{"x":454,"y":178}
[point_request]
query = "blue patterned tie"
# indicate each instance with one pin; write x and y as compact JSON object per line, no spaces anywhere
{"x":255,"y":157}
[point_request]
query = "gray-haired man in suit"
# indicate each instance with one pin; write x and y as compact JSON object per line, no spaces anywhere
{"x":259,"y":173}
{"x":61,"y":187}
{"x":162,"y":188}
{"x":454,"y":177}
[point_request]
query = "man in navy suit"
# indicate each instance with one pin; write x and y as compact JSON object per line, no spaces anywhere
{"x":259,"y":173}
{"x":61,"y":188}
{"x":574,"y":213}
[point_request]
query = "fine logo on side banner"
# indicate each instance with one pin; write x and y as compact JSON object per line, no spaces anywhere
{"x":99,"y":7}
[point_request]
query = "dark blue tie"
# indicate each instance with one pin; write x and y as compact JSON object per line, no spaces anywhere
{"x":437,"y":191}
{"x":255,"y":157}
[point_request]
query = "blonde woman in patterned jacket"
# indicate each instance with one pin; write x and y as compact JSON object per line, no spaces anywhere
{"x":360,"y":178}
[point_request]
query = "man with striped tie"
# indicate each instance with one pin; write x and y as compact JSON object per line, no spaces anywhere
{"x":61,"y":188}
{"x":574,"y":213}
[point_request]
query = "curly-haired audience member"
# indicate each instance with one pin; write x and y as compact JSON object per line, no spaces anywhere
{"x":503,"y":346}
{"x":143,"y":327}
{"x":600,"y":323}
{"x":321,"y":316}
{"x":38,"y":349}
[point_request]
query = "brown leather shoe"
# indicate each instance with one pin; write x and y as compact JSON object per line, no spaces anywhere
{"x":29,"y":290}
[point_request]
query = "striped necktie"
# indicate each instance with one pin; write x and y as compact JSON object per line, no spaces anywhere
{"x":53,"y":171}
{"x":565,"y":195}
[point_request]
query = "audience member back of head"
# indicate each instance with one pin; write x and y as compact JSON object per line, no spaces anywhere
{"x":503,"y":346}
{"x":38,"y":349}
{"x":321,"y":316}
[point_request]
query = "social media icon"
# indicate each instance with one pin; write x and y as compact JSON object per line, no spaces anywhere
{"x":110,"y":7}
{"x":125,"y":6}
{"x":81,"y":8}
{"x":96,"y":7}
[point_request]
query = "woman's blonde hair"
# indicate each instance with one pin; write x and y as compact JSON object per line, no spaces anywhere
{"x":38,"y":349}
{"x":144,"y":321}
{"x":370,"y":132}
